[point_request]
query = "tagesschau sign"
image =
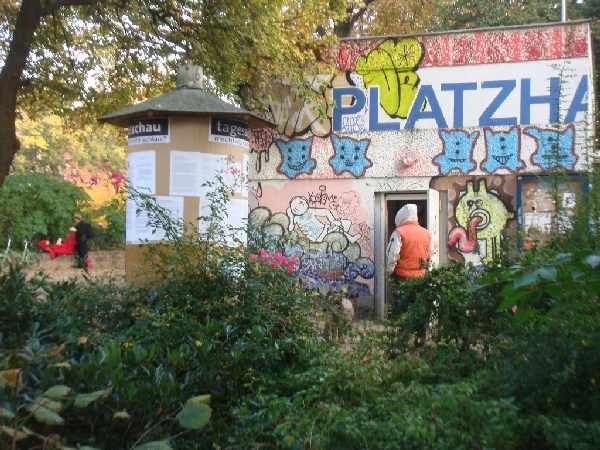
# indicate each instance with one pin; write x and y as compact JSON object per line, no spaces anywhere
{"x":229,"y":131}
{"x":533,"y":92}
{"x":149,"y":131}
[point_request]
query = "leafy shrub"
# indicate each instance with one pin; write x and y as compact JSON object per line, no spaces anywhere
{"x":18,"y":301}
{"x":556,"y":351}
{"x":549,"y":363}
{"x":441,"y":301}
{"x":110,"y":230}
{"x":35,"y":204}
{"x":354,"y":402}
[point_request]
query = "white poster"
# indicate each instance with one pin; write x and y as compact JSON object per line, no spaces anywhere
{"x":141,"y":171}
{"x":185,"y":173}
{"x":237,"y":217}
{"x":139,"y":227}
{"x":212,"y":165}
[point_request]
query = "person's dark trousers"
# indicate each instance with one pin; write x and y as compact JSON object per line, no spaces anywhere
{"x":402,"y":305}
{"x":82,"y":253}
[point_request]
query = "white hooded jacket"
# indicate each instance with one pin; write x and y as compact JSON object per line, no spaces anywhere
{"x":405,"y":214}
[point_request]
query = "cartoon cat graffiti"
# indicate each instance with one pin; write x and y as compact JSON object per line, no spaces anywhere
{"x":457,"y":151}
{"x":503,"y":149}
{"x":555,"y":148}
{"x":350,"y":155}
{"x":296,"y":157}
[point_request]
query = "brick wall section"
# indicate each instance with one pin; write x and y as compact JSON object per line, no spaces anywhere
{"x":101,"y":260}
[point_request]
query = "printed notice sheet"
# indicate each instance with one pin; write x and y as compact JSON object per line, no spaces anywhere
{"x":237,"y":217}
{"x":141,"y":226}
{"x":185,"y":173}
{"x":141,"y":171}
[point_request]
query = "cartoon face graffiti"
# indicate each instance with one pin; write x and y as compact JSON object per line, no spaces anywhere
{"x":554,"y":148}
{"x":298,"y":206}
{"x":295,"y":157}
{"x":503,"y":148}
{"x":480,"y":216}
{"x":350,"y":156}
{"x":457,"y":151}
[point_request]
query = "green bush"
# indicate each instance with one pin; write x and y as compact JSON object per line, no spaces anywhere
{"x":442,"y":303}
{"x":555,"y":353}
{"x":18,"y":301}
{"x":511,"y":360}
{"x":111,"y":234}
{"x":37,"y":204}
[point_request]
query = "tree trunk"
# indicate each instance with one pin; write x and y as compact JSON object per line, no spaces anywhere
{"x":28,"y":20}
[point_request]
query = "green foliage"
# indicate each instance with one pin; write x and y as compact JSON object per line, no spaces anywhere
{"x":34,"y":204}
{"x":358,"y":401}
{"x":49,"y":145}
{"x":440,"y":302}
{"x":222,"y":348}
{"x":19,"y":299}
{"x":111,"y":233}
{"x":461,"y":14}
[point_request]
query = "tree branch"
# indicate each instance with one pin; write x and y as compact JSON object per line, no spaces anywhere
{"x":57,"y":4}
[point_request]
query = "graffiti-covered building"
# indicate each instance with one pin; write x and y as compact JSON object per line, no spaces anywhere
{"x":463,"y":124}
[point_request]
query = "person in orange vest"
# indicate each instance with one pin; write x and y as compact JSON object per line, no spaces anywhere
{"x":408,"y":253}
{"x":409,"y":247}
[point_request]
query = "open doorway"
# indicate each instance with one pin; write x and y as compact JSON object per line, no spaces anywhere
{"x":386,"y":208}
{"x":393,"y":205}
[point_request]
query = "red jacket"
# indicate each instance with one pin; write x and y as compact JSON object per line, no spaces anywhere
{"x":67,"y":247}
{"x":414,"y":252}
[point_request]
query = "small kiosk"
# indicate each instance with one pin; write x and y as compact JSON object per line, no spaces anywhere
{"x":175,"y":144}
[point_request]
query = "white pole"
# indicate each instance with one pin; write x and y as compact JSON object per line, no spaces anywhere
{"x":563,"y":14}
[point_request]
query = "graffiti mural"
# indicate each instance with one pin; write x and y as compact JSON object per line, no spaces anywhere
{"x":307,"y":220}
{"x":503,"y":150}
{"x":457,"y":151}
{"x":350,"y":155}
{"x":554,"y":148}
{"x":296,"y":157}
{"x":260,"y":142}
{"x":392,"y":68}
{"x":481,"y":217}
{"x":319,"y":230}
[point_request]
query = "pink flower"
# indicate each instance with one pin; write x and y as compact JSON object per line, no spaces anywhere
{"x":283,"y":261}
{"x":265,"y":254}
{"x":514,"y":308}
{"x":234,"y":170}
{"x":253,"y":257}
{"x":273,"y":264}
{"x":293,"y":260}
{"x":289,"y":269}
{"x":106,"y":166}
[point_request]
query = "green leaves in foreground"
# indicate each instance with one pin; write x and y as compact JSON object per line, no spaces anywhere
{"x":536,"y":287}
{"x":194,"y":415}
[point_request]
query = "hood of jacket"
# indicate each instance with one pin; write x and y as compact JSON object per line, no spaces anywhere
{"x":406,"y":213}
